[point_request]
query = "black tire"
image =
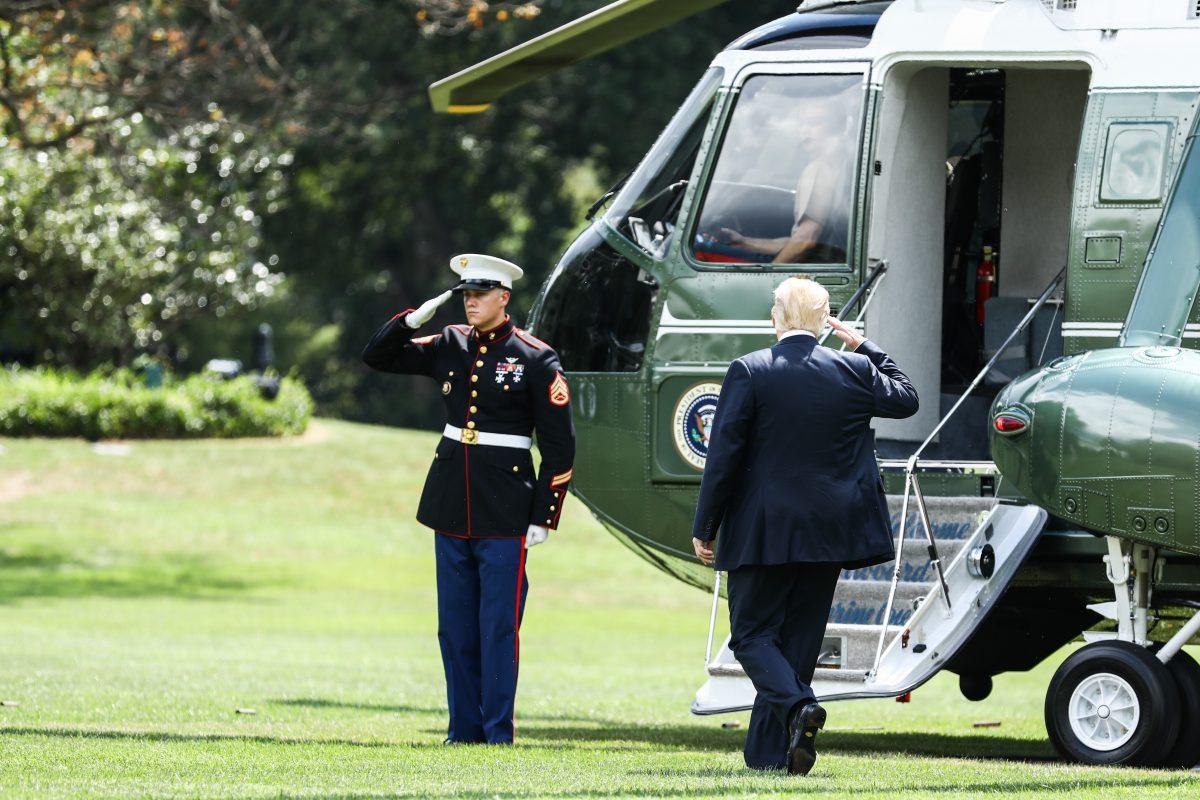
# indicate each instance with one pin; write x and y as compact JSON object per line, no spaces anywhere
{"x":1154,"y":698}
{"x":1186,"y":672}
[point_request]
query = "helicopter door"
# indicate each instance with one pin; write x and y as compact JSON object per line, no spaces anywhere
{"x":778,"y":195}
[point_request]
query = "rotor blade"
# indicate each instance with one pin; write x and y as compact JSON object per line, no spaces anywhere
{"x":475,"y":88}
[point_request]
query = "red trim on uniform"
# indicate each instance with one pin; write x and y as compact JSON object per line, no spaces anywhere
{"x":467,"y":447}
{"x":529,"y":339}
{"x":401,"y":314}
{"x":467,"y":481}
{"x":479,"y":535}
{"x":559,"y":504}
{"x":517,"y":631}
{"x":478,"y":334}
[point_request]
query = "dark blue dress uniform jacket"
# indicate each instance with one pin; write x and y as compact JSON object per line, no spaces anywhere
{"x":791,"y":474}
{"x":498,"y":381}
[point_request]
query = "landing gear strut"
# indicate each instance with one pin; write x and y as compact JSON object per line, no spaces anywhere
{"x":1114,"y":701}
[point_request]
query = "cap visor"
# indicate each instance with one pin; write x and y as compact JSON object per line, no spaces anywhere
{"x":478,"y":286}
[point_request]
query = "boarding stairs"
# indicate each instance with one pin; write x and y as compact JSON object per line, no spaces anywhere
{"x":893,"y":626}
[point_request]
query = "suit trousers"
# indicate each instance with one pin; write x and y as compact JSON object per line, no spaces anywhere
{"x":481,"y":588}
{"x":777,"y":618}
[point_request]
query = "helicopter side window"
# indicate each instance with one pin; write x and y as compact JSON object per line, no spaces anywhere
{"x":597,"y":308}
{"x":1135,"y":162}
{"x":647,"y":207}
{"x":783,"y":186}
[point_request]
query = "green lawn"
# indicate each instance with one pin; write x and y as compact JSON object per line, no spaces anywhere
{"x":145,"y":598}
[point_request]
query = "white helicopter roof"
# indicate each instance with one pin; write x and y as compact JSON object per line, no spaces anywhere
{"x":1125,"y":43}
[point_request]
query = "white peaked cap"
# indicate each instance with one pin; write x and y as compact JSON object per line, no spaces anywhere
{"x":484,"y":272}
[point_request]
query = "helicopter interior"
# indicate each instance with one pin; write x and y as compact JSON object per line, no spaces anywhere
{"x":972,"y":210}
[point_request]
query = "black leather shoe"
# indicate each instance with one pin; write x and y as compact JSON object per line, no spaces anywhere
{"x":802,"y":737}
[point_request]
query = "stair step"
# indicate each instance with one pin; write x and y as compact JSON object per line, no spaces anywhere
{"x":847,"y":675}
{"x":949,"y":517}
{"x":852,"y":646}
{"x":863,"y":602}
{"x":916,"y":566}
{"x":734,"y":670}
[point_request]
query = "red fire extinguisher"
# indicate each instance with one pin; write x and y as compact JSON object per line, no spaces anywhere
{"x":985,"y":284}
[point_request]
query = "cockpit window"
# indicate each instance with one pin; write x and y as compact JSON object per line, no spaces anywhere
{"x":645,"y":211}
{"x":782,"y":190}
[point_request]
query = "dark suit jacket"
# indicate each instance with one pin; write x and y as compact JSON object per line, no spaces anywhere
{"x":791,"y":474}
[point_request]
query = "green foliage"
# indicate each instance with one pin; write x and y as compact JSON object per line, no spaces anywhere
{"x":106,"y":251}
{"x":118,"y":405}
{"x":362,"y":221}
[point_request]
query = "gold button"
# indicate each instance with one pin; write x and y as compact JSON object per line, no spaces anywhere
{"x":548,"y":522}
{"x":491,"y":336}
{"x":474,"y":393}
{"x":479,"y":363}
{"x":551,"y":508}
{"x":516,"y":469}
{"x":474,"y":410}
{"x":483,"y":349}
{"x":474,"y":378}
{"x":451,"y":373}
{"x":506,"y":387}
{"x":470,"y":424}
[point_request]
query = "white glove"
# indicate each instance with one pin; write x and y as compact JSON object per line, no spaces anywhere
{"x":416,"y":319}
{"x":536,"y":535}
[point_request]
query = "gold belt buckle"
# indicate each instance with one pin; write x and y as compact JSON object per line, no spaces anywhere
{"x":470,"y":436}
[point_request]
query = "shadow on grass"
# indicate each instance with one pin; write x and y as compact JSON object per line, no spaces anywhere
{"x":165,"y":736}
{"x":43,"y":574}
{"x":688,"y":737}
{"x":387,"y":708}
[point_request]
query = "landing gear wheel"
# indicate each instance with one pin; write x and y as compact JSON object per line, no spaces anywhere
{"x":1186,"y":672}
{"x":1113,"y":703}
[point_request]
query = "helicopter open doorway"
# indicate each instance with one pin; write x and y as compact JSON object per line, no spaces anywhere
{"x":972,"y":200}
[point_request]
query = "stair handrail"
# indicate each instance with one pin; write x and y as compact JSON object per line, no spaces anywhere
{"x":912,"y":483}
{"x":865,"y":292}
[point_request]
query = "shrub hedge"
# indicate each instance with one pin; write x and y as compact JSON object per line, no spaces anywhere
{"x":116,"y":405}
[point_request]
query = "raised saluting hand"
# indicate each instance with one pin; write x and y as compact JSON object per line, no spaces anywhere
{"x":425,"y":313}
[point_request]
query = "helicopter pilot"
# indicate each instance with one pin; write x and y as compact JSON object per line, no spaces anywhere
{"x":482,"y":496}
{"x":821,"y":205}
{"x":792,"y":486}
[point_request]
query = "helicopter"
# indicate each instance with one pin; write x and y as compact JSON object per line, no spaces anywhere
{"x":1005,"y":195}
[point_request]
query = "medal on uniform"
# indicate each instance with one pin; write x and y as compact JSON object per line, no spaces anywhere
{"x":509,"y":368}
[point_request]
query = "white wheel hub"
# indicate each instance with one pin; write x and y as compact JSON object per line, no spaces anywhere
{"x":1104,"y":711}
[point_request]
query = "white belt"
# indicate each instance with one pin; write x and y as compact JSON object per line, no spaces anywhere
{"x":493,"y":439}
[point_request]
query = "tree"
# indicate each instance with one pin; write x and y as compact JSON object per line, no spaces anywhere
{"x":112,"y":247}
{"x":448,"y":17}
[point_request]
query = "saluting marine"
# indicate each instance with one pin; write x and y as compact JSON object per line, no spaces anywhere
{"x":482,"y":497}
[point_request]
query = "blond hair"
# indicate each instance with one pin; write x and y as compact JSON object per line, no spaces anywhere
{"x":801,"y":304}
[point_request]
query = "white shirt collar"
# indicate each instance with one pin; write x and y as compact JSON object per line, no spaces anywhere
{"x":797,"y":333}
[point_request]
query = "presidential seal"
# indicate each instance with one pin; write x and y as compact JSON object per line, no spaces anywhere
{"x":693,"y":422}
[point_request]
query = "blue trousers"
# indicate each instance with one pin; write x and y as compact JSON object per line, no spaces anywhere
{"x":481,"y":588}
{"x":777,"y":617}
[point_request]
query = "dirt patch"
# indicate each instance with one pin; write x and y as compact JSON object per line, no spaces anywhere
{"x":315,"y":433}
{"x":15,"y":485}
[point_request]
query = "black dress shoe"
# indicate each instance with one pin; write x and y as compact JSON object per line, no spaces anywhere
{"x":802,"y":737}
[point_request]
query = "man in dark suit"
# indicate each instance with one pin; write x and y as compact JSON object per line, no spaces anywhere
{"x":792,"y":483}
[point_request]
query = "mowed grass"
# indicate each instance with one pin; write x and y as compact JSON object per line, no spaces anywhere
{"x":145,"y":598}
